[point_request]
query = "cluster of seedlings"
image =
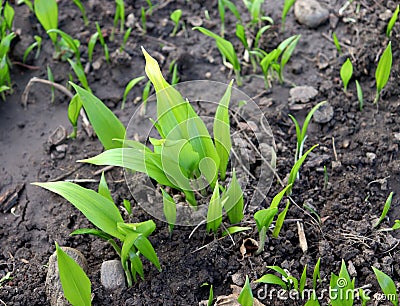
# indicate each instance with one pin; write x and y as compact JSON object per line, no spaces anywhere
{"x":185,"y":159}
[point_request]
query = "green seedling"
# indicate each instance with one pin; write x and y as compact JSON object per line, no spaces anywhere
{"x":265,"y":217}
{"x":132,"y":83}
{"x":360,"y":95}
{"x":5,"y":63}
{"x":276,"y":60}
{"x":102,"y":212}
{"x":342,"y":287}
{"x":286,"y":8}
{"x":363,"y":297}
{"x":118,"y":17}
{"x":173,"y":70}
{"x":74,"y":281}
{"x":383,"y":70}
{"x":235,"y":229}
{"x":149,"y":10}
{"x":7,"y":17}
{"x":50,"y":77}
{"x":392,"y":21}
{"x":222,"y":4}
{"x":68,"y":43}
{"x":396,"y":225}
{"x":46,"y":12}
{"x":80,"y":73}
{"x":102,"y":42}
{"x":385,"y":210}
{"x":5,"y":278}
{"x":37,"y":44}
{"x":387,"y":285}
{"x":301,"y":132}
{"x":227,"y":51}
{"x":127,"y":206}
{"x":78,"y":3}
{"x":326,"y":178}
{"x":169,"y":208}
{"x":176,"y":17}
{"x":246,"y":295}
{"x":254,"y":8}
{"x":125,"y":39}
{"x":337,"y":43}
{"x":91,"y":45}
{"x":28,"y":3}
{"x":346,"y":72}
{"x":143,"y":20}
{"x":184,"y":156}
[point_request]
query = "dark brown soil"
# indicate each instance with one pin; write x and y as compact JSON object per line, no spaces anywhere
{"x":348,"y":207}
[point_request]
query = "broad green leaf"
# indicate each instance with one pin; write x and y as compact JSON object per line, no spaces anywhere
{"x":272,"y":280}
{"x":133,"y":159}
{"x":75,"y":283}
{"x":235,"y":229}
{"x":103,"y":188}
{"x":176,"y":16}
{"x":280,"y":220}
{"x":279,"y":270}
{"x":8,"y":13}
{"x":146,"y":249}
{"x":97,"y":209}
{"x":265,"y":217}
{"x":234,"y":204}
{"x":72,"y":43}
{"x":129,"y":87}
{"x":129,"y":242}
{"x":392,"y":21}
{"x":224,"y":46}
{"x":46,"y":12}
{"x":145,"y":228}
{"x":383,"y":70}
{"x":296,"y":168}
{"x":5,"y":46}
{"x":387,"y":285}
{"x":106,"y":125}
{"x":169,"y":207}
{"x":396,"y":225}
{"x":289,"y":51}
{"x":385,"y":210}
{"x":346,"y":72}
{"x":341,"y":286}
{"x":136,"y":265}
{"x":286,"y":7}
{"x":222,"y":133}
{"x":246,"y":295}
{"x":214,"y":213}
{"x":127,"y":206}
{"x":80,"y":73}
{"x":92,"y":231}
{"x":241,"y":34}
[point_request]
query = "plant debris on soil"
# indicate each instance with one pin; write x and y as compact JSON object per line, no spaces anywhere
{"x":360,"y":150}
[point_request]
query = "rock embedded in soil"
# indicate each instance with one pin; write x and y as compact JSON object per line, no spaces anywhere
{"x":302,"y":94}
{"x":53,"y":286}
{"x":324,"y":113}
{"x":112,"y":275}
{"x":310,"y":13}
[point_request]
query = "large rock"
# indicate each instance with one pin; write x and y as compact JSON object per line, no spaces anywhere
{"x":310,"y":13}
{"x":54,"y":290}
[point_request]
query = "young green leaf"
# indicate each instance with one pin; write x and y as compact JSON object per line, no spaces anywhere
{"x":75,"y":283}
{"x":396,"y":225}
{"x":129,"y":87}
{"x":286,"y":7}
{"x":210,"y":296}
{"x":265,"y":217}
{"x":343,"y":287}
{"x":272,"y":280}
{"x":337,"y":43}
{"x":80,"y":73}
{"x":241,"y":34}
{"x":303,"y":279}
{"x":280,"y":220}
{"x":37,"y":44}
{"x":360,"y":95}
{"x":169,"y":207}
{"x":392,"y":21}
{"x":235,"y":229}
{"x":91,"y":45}
{"x":385,"y":209}
{"x":72,"y":43}
{"x":233,"y":197}
{"x":106,"y":125}
{"x":78,"y":3}
{"x":97,"y":209}
{"x":176,"y":17}
{"x":246,"y":295}
{"x":8,"y":13}
{"x":382,"y":73}
{"x":74,"y":109}
{"x":103,"y":188}
{"x":387,"y":285}
{"x":316,"y":274}
{"x":346,"y":72}
{"x":46,"y":12}
{"x":363,"y":296}
{"x":214,"y":213}
{"x":146,"y":249}
{"x":222,"y":132}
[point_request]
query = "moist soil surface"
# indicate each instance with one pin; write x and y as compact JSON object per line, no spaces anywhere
{"x":360,"y":150}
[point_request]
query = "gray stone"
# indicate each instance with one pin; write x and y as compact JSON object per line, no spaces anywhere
{"x":53,"y":286}
{"x":324,"y":113}
{"x":310,"y":13}
{"x":112,"y":275}
{"x":302,"y":94}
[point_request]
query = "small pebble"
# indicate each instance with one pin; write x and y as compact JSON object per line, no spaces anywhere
{"x":302,"y":94}
{"x":324,"y":113}
{"x":112,"y":275}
